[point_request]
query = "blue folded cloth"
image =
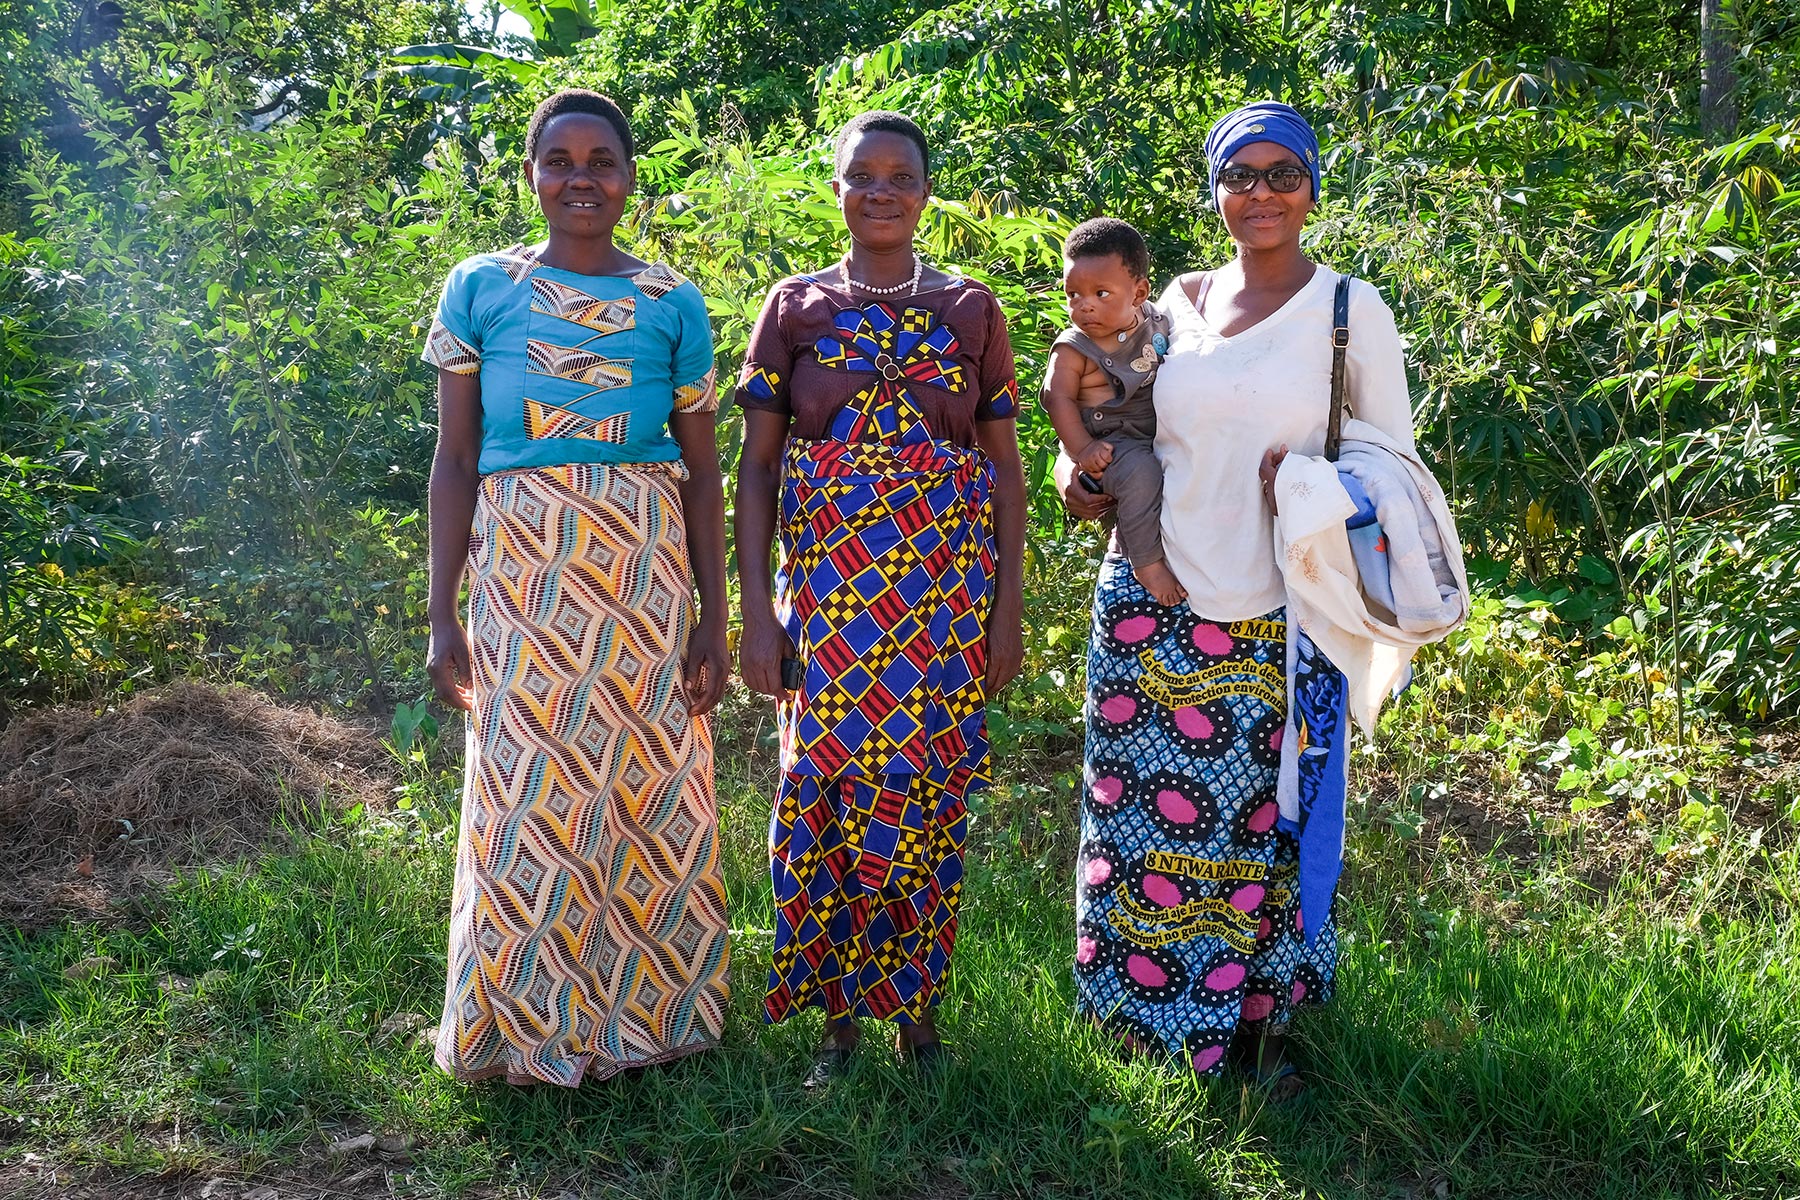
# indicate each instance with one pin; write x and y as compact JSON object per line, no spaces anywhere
{"x":1368,"y":546}
{"x":1317,"y":745}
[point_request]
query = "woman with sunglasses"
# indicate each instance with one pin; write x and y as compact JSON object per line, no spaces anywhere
{"x":1189,"y":938}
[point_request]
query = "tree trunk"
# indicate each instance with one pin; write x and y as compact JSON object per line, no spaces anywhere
{"x":1718,"y":77}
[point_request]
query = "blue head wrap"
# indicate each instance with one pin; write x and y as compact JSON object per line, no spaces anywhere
{"x":1263,"y":121}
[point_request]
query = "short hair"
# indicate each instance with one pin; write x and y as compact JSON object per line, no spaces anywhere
{"x":880,"y":121}
{"x":1109,"y":235}
{"x":578,"y":100}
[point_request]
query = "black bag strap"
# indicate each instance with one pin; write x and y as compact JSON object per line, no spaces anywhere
{"x":1340,"y":341}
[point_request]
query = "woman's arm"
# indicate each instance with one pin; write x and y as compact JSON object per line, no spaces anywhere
{"x":703,"y":512}
{"x":999,"y":440}
{"x":763,"y":643}
{"x":455,"y":478}
{"x":1375,"y":366}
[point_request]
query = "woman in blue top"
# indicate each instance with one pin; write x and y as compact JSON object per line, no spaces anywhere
{"x":577,"y":475}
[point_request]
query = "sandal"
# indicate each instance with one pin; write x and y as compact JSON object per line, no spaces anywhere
{"x":830,"y":1062}
{"x":928,"y":1058}
{"x":1270,"y":1082}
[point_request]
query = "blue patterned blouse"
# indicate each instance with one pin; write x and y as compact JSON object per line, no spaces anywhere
{"x":574,"y":368}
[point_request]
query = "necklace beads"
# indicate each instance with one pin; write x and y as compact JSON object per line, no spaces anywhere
{"x":909,"y":287}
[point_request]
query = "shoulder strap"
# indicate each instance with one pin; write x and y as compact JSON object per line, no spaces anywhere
{"x":1340,"y":341}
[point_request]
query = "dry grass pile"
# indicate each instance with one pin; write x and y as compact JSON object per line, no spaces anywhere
{"x":92,"y":803}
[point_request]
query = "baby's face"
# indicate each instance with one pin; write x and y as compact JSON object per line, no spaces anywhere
{"x":1104,"y":296}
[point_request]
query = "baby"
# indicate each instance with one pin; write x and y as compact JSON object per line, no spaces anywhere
{"x":1097,"y":392}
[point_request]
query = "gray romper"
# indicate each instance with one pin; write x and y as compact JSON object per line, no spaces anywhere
{"x":1127,"y":423}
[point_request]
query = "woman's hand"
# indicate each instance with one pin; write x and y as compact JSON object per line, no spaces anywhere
{"x":1082,"y":504}
{"x":761,"y":647}
{"x":708,"y":661}
{"x":706,"y":666}
{"x":1271,"y":463}
{"x":1005,"y":648}
{"x":447,"y":662}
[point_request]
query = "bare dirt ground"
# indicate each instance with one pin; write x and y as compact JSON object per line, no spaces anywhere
{"x":96,"y":807}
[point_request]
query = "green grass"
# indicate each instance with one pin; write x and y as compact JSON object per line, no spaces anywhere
{"x":1505,"y":1026}
{"x":1601,"y":1052}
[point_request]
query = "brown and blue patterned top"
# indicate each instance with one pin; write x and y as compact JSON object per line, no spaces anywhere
{"x":574,"y":368}
{"x":815,"y":350}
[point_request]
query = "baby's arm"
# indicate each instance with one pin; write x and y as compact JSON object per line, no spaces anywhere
{"x":1061,"y":399}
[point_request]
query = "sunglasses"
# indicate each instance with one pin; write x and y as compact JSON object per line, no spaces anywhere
{"x":1283,"y":178}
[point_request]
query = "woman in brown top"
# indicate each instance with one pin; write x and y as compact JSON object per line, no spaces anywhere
{"x":879,"y":397}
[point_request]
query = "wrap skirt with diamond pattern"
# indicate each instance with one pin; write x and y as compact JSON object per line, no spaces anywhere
{"x":887,"y":562}
{"x":588,"y":929}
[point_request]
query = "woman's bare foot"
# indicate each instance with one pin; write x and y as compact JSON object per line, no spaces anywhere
{"x":1160,"y":582}
{"x":843,"y":1032}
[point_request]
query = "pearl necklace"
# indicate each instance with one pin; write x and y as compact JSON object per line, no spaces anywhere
{"x":909,"y":287}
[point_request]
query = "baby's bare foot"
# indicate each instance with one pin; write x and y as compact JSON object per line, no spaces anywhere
{"x":1160,"y":582}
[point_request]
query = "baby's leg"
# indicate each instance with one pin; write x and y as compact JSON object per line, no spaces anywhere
{"x":1134,"y":479}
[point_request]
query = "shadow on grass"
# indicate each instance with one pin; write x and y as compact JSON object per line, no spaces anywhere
{"x":249,"y":1020}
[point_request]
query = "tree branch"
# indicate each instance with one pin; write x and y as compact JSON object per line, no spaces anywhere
{"x":290,"y":88}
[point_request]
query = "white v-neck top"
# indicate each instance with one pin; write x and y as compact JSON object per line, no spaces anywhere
{"x":1221,"y":401}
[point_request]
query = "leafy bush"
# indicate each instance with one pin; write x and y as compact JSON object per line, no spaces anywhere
{"x":1593,"y":294}
{"x":64,"y":507}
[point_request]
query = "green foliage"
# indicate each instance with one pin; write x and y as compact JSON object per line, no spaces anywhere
{"x":65,"y":491}
{"x":52,"y":52}
{"x":743,"y":65}
{"x":250,"y":303}
{"x":558,"y":25}
{"x":1600,"y":335}
{"x":1080,"y":109}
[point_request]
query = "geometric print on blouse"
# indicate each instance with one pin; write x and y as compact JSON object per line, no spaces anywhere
{"x":544,"y":420}
{"x":762,"y":382}
{"x":548,"y":421}
{"x":584,"y":366}
{"x":658,"y":280}
{"x":700,"y":396}
{"x":517,"y":260}
{"x":1005,"y":400}
{"x":908,"y":347}
{"x":571,"y":304}
{"x":448,"y":352}
{"x":570,"y":391}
